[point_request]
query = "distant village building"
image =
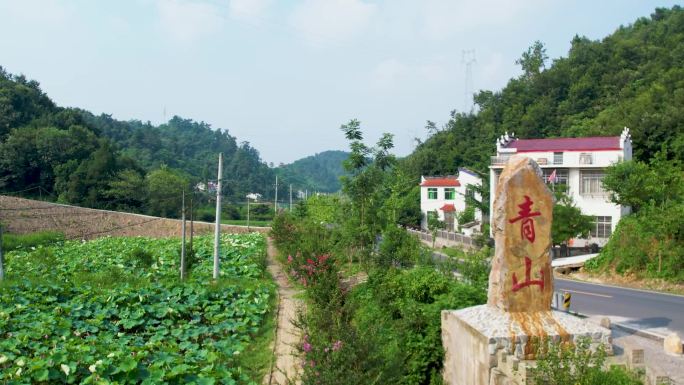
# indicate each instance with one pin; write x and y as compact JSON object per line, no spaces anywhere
{"x":209,"y":187}
{"x":445,"y":196}
{"x":577,"y":163}
{"x":254,"y":196}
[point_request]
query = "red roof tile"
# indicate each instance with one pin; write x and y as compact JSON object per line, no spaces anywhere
{"x":440,"y":182}
{"x":448,"y":208}
{"x":596,"y":143}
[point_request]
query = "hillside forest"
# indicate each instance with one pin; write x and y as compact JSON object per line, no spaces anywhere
{"x":633,"y":77}
{"x":73,"y":156}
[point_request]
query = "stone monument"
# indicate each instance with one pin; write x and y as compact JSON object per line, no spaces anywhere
{"x":489,"y":344}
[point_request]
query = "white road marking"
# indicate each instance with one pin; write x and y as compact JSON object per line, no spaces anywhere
{"x":587,"y":293}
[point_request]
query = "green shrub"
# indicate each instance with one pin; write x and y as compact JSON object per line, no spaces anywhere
{"x":399,"y":248}
{"x":405,"y":306}
{"x":649,"y":243}
{"x":230,"y":212}
{"x":24,"y":241}
{"x":139,"y":257}
{"x":206,"y":215}
{"x":568,"y":364}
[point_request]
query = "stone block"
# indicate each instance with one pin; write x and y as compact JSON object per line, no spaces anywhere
{"x":657,"y":376}
{"x":605,"y":322}
{"x":635,"y":356}
{"x":673,"y":344}
{"x":480,"y":338}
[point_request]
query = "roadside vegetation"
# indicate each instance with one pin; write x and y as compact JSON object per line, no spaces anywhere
{"x":650,"y":242}
{"x":115,"y":310}
{"x":579,"y":364}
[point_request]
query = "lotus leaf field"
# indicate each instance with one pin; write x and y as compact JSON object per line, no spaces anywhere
{"x":114,"y":311}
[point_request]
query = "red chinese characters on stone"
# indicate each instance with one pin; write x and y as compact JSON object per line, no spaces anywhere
{"x":528,"y":280}
{"x":525,"y":214}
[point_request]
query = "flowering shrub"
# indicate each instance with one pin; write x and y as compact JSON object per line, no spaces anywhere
{"x":306,"y":272}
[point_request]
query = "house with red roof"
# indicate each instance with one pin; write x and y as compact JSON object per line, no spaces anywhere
{"x":445,"y":196}
{"x":577,"y":163}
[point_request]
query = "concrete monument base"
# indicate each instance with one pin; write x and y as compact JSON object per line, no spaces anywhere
{"x":485,"y":345}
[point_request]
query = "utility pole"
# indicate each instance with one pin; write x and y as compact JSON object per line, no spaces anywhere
{"x":192,"y":220}
{"x":248,"y":214}
{"x":217,"y":230}
{"x":276,"y":197}
{"x":2,"y":259}
{"x":182,"y":261}
{"x":290,"y":197}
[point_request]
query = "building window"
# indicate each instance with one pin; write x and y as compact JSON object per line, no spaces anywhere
{"x":591,"y":182}
{"x":432,"y":193}
{"x":557,"y":158}
{"x":449,"y":194}
{"x":602,"y":227}
{"x":561,"y":175}
{"x":586,"y":158}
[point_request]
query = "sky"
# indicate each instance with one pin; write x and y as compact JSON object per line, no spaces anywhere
{"x":284,"y":75}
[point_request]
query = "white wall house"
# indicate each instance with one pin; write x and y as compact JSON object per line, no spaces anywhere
{"x":447,"y":196}
{"x":579,"y":164}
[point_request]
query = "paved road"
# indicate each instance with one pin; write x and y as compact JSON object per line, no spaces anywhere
{"x":645,"y":310}
{"x":654,"y":312}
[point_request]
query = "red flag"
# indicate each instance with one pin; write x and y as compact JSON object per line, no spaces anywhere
{"x":552,"y":178}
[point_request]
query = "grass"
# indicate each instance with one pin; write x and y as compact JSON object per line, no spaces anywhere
{"x":259,"y":355}
{"x":243,"y":222}
{"x":23,"y":241}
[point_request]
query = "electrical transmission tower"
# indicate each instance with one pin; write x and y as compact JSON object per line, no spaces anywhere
{"x":468,"y":59}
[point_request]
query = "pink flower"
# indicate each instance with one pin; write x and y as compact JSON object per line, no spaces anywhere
{"x":306,"y":347}
{"x":337,"y":345}
{"x":289,"y":259}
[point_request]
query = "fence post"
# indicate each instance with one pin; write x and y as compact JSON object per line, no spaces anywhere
{"x":182,"y":261}
{"x":2,"y":260}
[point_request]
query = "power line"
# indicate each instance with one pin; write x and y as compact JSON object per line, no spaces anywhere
{"x":114,"y":229}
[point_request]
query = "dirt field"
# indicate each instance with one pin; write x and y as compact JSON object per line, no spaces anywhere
{"x":20,"y":216}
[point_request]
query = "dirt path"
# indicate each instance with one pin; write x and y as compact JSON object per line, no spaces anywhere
{"x":287,"y":335}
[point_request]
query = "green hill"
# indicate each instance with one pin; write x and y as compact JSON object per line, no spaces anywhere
{"x":319,"y":172}
{"x":97,"y":161}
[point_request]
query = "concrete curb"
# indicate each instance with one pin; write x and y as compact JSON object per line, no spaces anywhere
{"x":638,"y":332}
{"x":623,"y":327}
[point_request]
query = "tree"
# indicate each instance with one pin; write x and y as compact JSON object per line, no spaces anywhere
{"x":164,"y":191}
{"x":532,"y":61}
{"x":568,"y":220}
{"x":434,"y":225}
{"x":124,"y":190}
{"x":629,"y":183}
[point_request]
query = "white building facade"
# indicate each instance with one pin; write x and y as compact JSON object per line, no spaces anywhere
{"x":579,"y":164}
{"x":446,"y":195}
